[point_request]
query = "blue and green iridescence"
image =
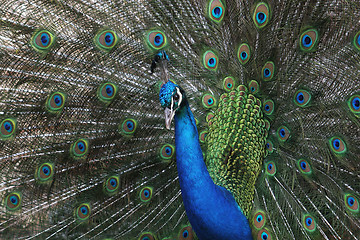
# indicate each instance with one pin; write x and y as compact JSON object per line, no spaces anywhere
{"x":254,"y":87}
{"x":259,"y":220}
{"x":167,"y":151}
{"x":55,"y":102}
{"x":45,"y":172}
{"x":261,"y":15}
{"x":210,"y":60}
{"x":111,"y":185}
{"x":269,"y":107}
{"x":166,"y":93}
{"x":236,"y":138}
{"x":304,"y":167}
{"x":269,"y":146}
{"x":268,"y":71}
{"x":270,"y":168}
{"x":357,"y":41}
{"x":42,"y":41}
{"x":107,"y":92}
{"x":145,"y":194}
{"x":309,"y":223}
{"x":156,"y":39}
{"x":7,"y":128}
{"x":229,"y":84}
{"x":106,"y":40}
{"x":337,"y":145}
{"x":208,"y":101}
{"x":216,"y":10}
{"x":186,"y":233}
{"x":13,"y":201}
{"x":308,"y":40}
{"x":128,"y":127}
{"x":264,"y":234}
{"x":80,"y":148}
{"x":283,"y":133}
{"x":83,"y":212}
{"x":354,"y":104}
{"x":302,"y":98}
{"x":352,"y":203}
{"x":202,"y":136}
{"x":147,"y":236}
{"x":243,"y":53}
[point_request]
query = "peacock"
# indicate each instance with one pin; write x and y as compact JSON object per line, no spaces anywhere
{"x":181,"y":119}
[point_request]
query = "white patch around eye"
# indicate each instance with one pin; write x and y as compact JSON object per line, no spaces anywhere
{"x":172,"y":104}
{"x":180,"y":96}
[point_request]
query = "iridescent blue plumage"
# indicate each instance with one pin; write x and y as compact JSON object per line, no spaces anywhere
{"x":206,"y":204}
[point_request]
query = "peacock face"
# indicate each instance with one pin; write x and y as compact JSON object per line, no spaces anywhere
{"x":170,"y":98}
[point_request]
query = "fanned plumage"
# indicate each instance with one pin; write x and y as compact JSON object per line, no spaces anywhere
{"x":274,"y":87}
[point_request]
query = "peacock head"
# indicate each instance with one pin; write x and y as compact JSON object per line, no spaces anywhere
{"x":171,"y":96}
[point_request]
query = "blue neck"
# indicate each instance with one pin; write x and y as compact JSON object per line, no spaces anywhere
{"x":211,"y":210}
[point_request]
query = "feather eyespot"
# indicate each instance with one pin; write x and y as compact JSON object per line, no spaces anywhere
{"x":147,"y":236}
{"x":268,"y":71}
{"x":351,"y":203}
{"x":146,"y":194}
{"x":112,"y":184}
{"x":186,"y":233}
{"x":128,"y":127}
{"x":7,"y":128}
{"x":13,"y":201}
{"x":357,"y":40}
{"x":216,"y":10}
{"x":261,"y":15}
{"x":202,"y":136}
{"x":45,"y":172}
{"x":337,"y":145}
{"x":208,"y":101}
{"x":264,"y":234}
{"x":283,"y":133}
{"x":302,"y":98}
{"x":304,"y":167}
{"x":80,"y":148}
{"x":156,"y":39}
{"x":259,"y":220}
{"x":268,"y":107}
{"x":308,"y":40}
{"x":254,"y":86}
{"x":167,"y":151}
{"x":42,"y":40}
{"x":354,"y":104}
{"x":210,"y":60}
{"x":106,"y":92}
{"x":270,"y":168}
{"x":55,"y":102}
{"x":106,"y":40}
{"x":83,"y":212}
{"x":229,"y":84}
{"x":269,"y":146}
{"x":244,"y":53}
{"x":309,"y":223}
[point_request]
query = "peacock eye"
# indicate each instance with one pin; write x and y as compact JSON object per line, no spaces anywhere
{"x":176,"y":97}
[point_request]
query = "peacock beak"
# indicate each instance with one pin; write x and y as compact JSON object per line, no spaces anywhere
{"x":169,"y":115}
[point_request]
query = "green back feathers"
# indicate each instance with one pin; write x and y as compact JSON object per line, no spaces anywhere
{"x":236,"y":145}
